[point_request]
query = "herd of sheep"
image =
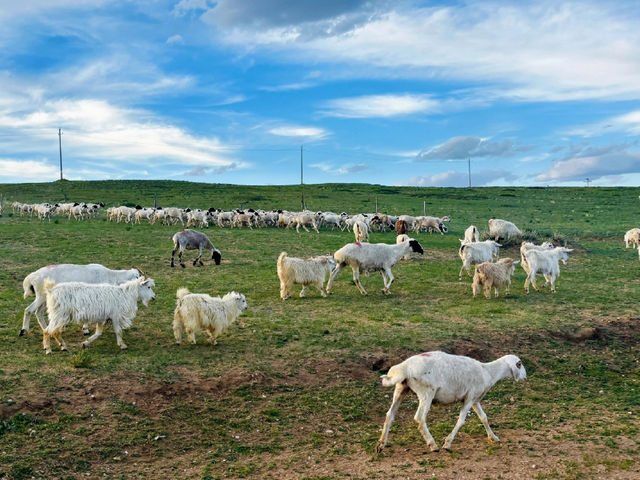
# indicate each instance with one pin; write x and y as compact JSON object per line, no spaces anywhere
{"x":94,"y":294}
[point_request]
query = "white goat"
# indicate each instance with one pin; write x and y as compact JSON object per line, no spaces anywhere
{"x":494,"y":275}
{"x":196,"y":312}
{"x":632,"y":237}
{"x":545,"y":262}
{"x":476,"y":252}
{"x":431,"y":224}
{"x":93,"y":303}
{"x":445,"y":378}
{"x":371,"y":257}
{"x":503,"y":229}
{"x":298,"y":271}
{"x":401,"y":239}
{"x":92,"y":273}
{"x":471,"y":234}
{"x":525,"y":247}
{"x":361,"y":231}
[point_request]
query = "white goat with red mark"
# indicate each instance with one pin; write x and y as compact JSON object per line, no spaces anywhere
{"x":445,"y":378}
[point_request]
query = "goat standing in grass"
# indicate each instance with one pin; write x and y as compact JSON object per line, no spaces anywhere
{"x":445,"y":378}
{"x":493,"y":275}
{"x":192,"y":240}
{"x":305,"y":272}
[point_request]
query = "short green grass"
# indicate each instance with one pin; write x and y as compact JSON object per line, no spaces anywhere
{"x":293,"y":392}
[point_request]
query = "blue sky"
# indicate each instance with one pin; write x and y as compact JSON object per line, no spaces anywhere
{"x":379,"y":91}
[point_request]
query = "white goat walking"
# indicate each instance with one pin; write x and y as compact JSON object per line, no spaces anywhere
{"x":361,"y":231}
{"x":471,"y":234}
{"x":476,"y":252}
{"x":371,"y":257}
{"x":92,"y":273}
{"x":197,"y":312}
{"x":445,"y":378}
{"x":93,"y":303}
{"x":303,"y":272}
{"x":546,"y":263}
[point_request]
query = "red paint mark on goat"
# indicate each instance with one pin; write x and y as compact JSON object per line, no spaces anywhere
{"x":425,"y":354}
{"x":52,"y":266}
{"x":359,"y":244}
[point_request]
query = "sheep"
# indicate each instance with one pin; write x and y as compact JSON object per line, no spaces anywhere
{"x":303,"y":219}
{"x":445,"y":378}
{"x":298,"y":271}
{"x":545,"y":262}
{"x":402,"y":227}
{"x":494,"y":275}
{"x":191,"y":240}
{"x":361,"y":231}
{"x":92,"y":273}
{"x":93,"y":303}
{"x":476,"y":252}
{"x":632,"y":237}
{"x":198,"y":311}
{"x":371,"y":257}
{"x":503,"y":229}
{"x":471,"y":234}
{"x":431,"y":224}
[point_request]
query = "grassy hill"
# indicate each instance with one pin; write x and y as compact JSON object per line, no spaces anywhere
{"x":294,"y":391}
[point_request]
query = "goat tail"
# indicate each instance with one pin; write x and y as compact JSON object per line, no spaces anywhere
{"x":48,"y":285}
{"x":281,"y":258}
{"x":394,"y":376}
{"x":182,"y":292}
{"x":27,"y":285}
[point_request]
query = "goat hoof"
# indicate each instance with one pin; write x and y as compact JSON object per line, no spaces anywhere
{"x":379,"y":447}
{"x":435,"y":449}
{"x":123,"y":347}
{"x":183,"y":265}
{"x":84,"y":344}
{"x":86,"y":333}
{"x":47,"y":352}
{"x":22,"y":332}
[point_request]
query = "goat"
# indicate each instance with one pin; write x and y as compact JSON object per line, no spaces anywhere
{"x":361,"y":231}
{"x":191,"y":240}
{"x":293,"y":270}
{"x":494,"y":275}
{"x":198,"y":311}
{"x":546,"y":263}
{"x":93,"y":303}
{"x":476,"y":252}
{"x":444,"y":378}
{"x":371,"y":257}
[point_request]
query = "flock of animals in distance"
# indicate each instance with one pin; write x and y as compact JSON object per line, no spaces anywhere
{"x":96,"y":295}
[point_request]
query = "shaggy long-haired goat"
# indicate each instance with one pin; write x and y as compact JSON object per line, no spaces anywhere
{"x":93,"y":303}
{"x":445,"y":378}
{"x":493,"y":275}
{"x":197,"y":312}
{"x":305,"y":272}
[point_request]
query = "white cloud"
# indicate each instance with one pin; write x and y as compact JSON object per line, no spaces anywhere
{"x":538,"y":51}
{"x":628,"y":123}
{"x":28,"y":169}
{"x":371,"y":106}
{"x":454,"y":178}
{"x":186,"y":6}
{"x":457,"y":148}
{"x":175,"y":40}
{"x":341,"y":170}
{"x":299,"y":132}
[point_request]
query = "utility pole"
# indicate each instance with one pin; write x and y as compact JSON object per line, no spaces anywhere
{"x":588,"y":181}
{"x":301,"y":179}
{"x":469,"y":167}
{"x":60,"y":145}
{"x":376,"y":204}
{"x":424,"y":208}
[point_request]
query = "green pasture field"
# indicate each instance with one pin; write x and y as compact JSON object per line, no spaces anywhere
{"x":293,"y":390}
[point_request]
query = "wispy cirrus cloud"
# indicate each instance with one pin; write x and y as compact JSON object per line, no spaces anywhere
{"x":299,"y":132}
{"x":453,"y":178}
{"x":380,"y":106}
{"x":341,"y":170}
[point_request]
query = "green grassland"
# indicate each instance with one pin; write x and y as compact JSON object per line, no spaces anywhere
{"x":293,"y":391}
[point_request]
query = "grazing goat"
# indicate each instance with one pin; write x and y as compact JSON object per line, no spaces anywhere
{"x":92,"y":273}
{"x":503,"y":229}
{"x":371,"y":257}
{"x":471,"y":234}
{"x":525,"y":247}
{"x":545,"y":262}
{"x":192,"y":240}
{"x":93,"y":303}
{"x":494,"y":275}
{"x":197,"y":312}
{"x":298,"y":271}
{"x":431,"y":224}
{"x":445,"y":378}
{"x":476,"y":252}
{"x":632,"y":237}
{"x":361,"y":231}
{"x":402,"y":227}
